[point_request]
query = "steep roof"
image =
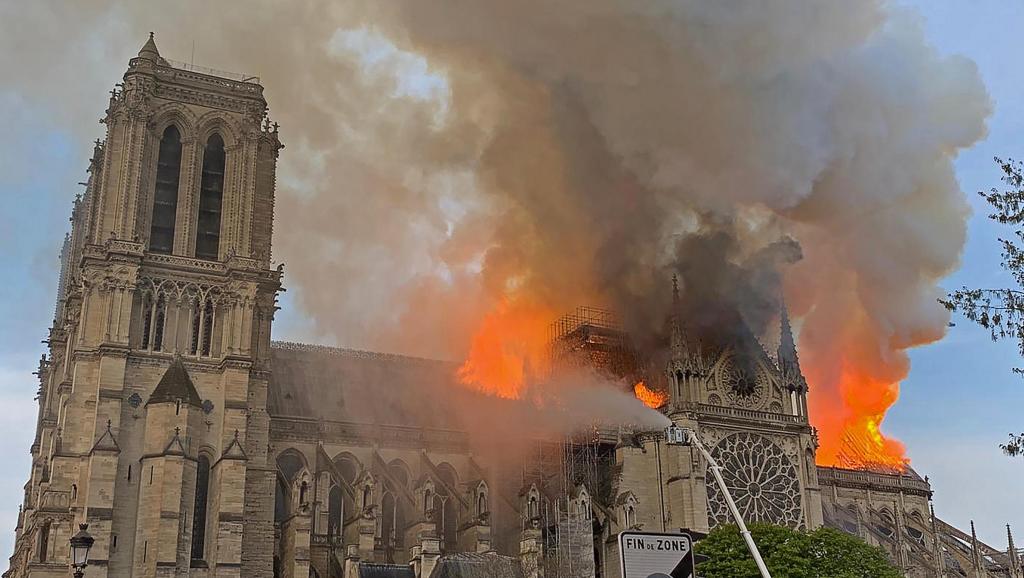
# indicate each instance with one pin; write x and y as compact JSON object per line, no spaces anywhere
{"x":338,"y":384}
{"x":149,"y":49}
{"x":175,"y":385}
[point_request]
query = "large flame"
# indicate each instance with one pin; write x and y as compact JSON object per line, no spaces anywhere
{"x":652,"y":398}
{"x":850,"y":433}
{"x":508,"y":350}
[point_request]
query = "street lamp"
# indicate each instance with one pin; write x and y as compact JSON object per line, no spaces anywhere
{"x":80,"y":544}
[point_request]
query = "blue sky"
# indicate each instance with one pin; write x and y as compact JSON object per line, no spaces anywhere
{"x":959,"y":402}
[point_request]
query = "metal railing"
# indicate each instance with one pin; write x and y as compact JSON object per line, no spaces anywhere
{"x":236,"y":76}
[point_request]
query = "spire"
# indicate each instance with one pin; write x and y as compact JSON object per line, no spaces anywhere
{"x":975,"y":556}
{"x":787,"y":345}
{"x":676,"y":337}
{"x":176,"y":385}
{"x":149,"y":51}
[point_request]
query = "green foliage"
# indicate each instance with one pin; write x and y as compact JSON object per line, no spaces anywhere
{"x":1001,"y":310}
{"x":792,"y":554}
{"x":1015,"y":446}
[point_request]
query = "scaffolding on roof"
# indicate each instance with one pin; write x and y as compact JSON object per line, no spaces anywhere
{"x":589,"y":336}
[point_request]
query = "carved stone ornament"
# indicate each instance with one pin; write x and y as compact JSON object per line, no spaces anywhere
{"x":745,"y":387}
{"x":761,"y":479}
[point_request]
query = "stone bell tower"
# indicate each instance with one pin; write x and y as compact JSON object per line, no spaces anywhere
{"x":152,"y":425}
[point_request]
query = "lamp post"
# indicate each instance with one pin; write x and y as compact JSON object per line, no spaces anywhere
{"x":80,"y":545}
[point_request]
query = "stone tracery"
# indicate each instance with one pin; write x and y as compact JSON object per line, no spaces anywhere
{"x":761,"y":479}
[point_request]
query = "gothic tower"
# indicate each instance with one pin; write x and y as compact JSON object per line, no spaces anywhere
{"x":751,"y":412}
{"x":152,"y":424}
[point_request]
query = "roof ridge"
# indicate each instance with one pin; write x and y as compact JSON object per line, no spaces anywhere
{"x":351,"y":352}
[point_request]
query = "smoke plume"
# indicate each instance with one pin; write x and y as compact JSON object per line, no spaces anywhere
{"x":458,"y":161}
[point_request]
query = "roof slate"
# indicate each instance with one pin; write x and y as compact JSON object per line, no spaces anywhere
{"x":175,"y":385}
{"x":336,"y":384}
{"x":477,"y":565}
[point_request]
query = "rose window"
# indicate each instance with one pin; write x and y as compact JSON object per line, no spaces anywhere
{"x":760,"y":478}
{"x":745,"y":387}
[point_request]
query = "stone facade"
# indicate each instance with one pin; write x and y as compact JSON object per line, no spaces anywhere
{"x":192,"y":445}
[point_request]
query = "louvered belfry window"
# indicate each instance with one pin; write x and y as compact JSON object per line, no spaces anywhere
{"x":165,"y":194}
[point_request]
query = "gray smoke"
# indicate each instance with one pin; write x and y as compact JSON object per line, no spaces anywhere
{"x":445,"y":155}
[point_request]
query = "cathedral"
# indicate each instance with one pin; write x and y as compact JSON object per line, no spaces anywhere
{"x":192,"y":444}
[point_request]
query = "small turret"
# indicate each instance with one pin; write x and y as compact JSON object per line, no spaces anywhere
{"x":149,"y":51}
{"x":685,"y":365}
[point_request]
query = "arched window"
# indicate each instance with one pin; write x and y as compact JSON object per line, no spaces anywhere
{"x":159,"y":321}
{"x":388,"y":522}
{"x":165,"y":193}
{"x":334,"y":511}
{"x":207,"y":334}
{"x":348,"y":467}
{"x":199,"y":513}
{"x":147,"y":320}
{"x":289,"y":464}
{"x":197,"y":319}
{"x":44,"y":542}
{"x":211,"y":193}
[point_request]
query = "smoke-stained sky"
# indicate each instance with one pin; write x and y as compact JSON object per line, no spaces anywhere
{"x":443,"y":154}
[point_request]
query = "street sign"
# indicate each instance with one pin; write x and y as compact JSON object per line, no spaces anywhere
{"x":655,"y":555}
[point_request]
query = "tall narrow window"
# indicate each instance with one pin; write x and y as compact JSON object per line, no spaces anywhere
{"x":199,"y":515}
{"x":334,"y":502}
{"x":44,"y":542}
{"x":207,"y":327}
{"x":147,"y":319}
{"x":165,"y":194}
{"x":211,"y":193}
{"x":197,"y":308}
{"x":159,"y":321}
{"x":388,"y":526}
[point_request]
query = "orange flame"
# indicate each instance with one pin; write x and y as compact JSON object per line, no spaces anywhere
{"x":652,"y":398}
{"x":850,"y":430}
{"x":508,"y":350}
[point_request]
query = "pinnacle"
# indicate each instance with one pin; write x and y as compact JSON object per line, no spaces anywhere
{"x":149,"y":50}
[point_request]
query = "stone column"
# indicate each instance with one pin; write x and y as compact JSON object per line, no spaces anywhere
{"x":531,"y":552}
